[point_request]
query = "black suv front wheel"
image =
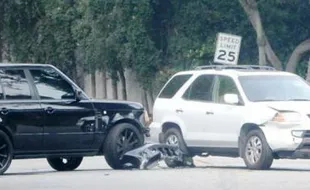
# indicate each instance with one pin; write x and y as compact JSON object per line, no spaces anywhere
{"x":6,"y":152}
{"x":65,"y":164}
{"x":122,"y":138}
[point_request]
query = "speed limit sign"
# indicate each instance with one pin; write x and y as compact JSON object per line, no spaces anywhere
{"x":227,"y":48}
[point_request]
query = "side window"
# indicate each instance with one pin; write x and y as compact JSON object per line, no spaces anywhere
{"x":15,"y":85}
{"x":200,"y":89}
{"x":173,"y":86}
{"x":226,"y":85}
{"x":51,"y":85}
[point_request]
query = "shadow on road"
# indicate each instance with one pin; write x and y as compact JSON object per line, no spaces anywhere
{"x":246,"y":169}
{"x":52,"y":172}
{"x":108,"y":171}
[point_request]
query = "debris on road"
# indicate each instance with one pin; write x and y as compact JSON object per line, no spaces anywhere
{"x":148,"y":156}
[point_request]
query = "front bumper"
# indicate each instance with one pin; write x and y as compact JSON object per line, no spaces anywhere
{"x":285,"y":143}
{"x":302,"y":151}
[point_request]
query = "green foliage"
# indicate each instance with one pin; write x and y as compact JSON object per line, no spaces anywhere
{"x":154,"y":38}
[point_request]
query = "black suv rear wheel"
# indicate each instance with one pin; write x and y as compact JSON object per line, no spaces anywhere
{"x":121,"y":139}
{"x":65,"y":164}
{"x":6,"y":152}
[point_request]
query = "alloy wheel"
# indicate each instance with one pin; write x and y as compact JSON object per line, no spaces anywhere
{"x":172,"y":140}
{"x":4,"y":154}
{"x":254,"y":149}
{"x":127,"y":141}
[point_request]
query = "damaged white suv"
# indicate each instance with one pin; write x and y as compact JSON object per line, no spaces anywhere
{"x":253,"y":112}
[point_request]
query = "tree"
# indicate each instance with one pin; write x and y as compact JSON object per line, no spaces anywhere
{"x":266,"y":52}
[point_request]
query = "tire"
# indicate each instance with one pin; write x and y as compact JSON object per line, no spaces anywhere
{"x":65,"y":164}
{"x":6,"y":152}
{"x":264,"y":157}
{"x":173,"y":133}
{"x":122,"y":138}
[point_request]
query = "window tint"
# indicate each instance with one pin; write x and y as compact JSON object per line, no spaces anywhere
{"x":174,"y":85}
{"x":50,"y":84}
{"x":15,"y":85}
{"x":226,"y":86}
{"x":201,"y":89}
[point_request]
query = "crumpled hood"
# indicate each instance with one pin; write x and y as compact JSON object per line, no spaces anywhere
{"x":297,"y":106}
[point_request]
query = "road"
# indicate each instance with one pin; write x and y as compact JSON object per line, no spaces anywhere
{"x":212,"y":173}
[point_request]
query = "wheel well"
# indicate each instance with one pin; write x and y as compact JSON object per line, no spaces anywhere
{"x":126,"y":120}
{"x":7,"y":132}
{"x":169,"y":125}
{"x":245,"y":129}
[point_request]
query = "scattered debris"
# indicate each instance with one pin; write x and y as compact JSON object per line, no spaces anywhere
{"x":148,"y":156}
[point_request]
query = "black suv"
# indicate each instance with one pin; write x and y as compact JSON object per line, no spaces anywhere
{"x":44,"y":114}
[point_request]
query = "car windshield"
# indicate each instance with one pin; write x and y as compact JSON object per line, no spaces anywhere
{"x":275,"y":88}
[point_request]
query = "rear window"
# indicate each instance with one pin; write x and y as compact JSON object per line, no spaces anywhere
{"x":174,"y":85}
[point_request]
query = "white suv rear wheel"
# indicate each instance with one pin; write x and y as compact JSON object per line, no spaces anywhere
{"x":173,"y":137}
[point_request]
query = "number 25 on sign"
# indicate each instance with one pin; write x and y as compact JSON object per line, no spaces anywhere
{"x":227,"y":49}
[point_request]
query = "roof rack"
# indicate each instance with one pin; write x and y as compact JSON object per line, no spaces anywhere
{"x":236,"y":67}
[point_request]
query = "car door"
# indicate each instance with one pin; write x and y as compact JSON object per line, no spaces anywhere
{"x":20,"y":111}
{"x":228,"y":117}
{"x":69,"y":125}
{"x":197,"y":111}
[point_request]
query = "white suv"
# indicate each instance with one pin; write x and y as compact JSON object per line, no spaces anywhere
{"x":253,"y":112}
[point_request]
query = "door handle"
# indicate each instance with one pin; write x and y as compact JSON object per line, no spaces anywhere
{"x":49,"y":110}
{"x":179,"y":110}
{"x":4,"y":111}
{"x":209,"y":113}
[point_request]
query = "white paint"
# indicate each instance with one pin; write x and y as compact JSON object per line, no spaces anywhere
{"x":227,"y":49}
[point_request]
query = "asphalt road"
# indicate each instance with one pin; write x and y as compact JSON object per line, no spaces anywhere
{"x":212,"y":173}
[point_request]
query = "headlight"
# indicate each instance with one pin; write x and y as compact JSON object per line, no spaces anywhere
{"x":297,"y":133}
{"x":287,"y":117}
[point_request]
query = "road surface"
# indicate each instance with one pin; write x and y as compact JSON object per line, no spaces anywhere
{"x":212,"y":173}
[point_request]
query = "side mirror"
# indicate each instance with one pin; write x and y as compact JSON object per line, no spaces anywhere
{"x":231,"y":98}
{"x":78,"y":95}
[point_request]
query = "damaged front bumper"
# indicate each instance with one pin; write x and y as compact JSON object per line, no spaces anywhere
{"x":149,"y":155}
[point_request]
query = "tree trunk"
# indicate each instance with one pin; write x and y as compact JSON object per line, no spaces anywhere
{"x":1,"y":45}
{"x":308,"y":72}
{"x":302,"y":48}
{"x":114,"y":85}
{"x":104,"y":83}
{"x":93,"y":84}
{"x":1,"y":30}
{"x":145,"y":101}
{"x":264,"y":48}
{"x":80,"y":76}
{"x":123,"y":83}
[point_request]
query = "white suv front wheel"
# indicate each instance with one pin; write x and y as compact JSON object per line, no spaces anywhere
{"x":256,"y":151}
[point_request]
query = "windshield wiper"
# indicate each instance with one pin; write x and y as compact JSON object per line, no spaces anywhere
{"x":298,"y":99}
{"x":266,"y":100}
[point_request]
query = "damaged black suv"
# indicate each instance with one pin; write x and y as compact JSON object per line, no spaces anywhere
{"x":44,"y":114}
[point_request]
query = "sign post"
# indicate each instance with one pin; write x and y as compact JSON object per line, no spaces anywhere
{"x":227,"y":49}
